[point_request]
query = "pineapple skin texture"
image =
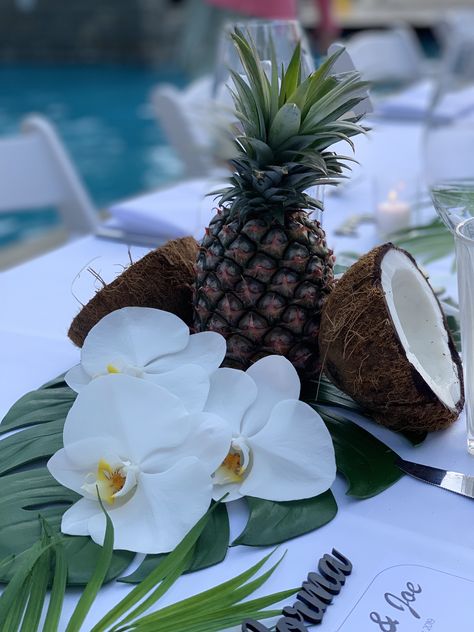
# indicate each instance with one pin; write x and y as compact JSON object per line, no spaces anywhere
{"x":262,"y":286}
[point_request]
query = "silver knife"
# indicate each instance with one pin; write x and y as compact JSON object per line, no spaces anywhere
{"x":451,"y":481}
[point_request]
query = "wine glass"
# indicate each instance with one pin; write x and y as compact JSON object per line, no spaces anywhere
{"x":449,"y":149}
{"x":276,"y":38}
{"x":282,"y":35}
{"x":449,"y":136}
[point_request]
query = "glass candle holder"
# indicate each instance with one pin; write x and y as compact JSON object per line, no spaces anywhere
{"x":465,"y":269}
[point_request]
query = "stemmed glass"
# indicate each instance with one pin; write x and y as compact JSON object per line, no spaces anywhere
{"x":283,"y":35}
{"x":449,"y":163}
{"x":449,"y":137}
{"x":270,"y":37}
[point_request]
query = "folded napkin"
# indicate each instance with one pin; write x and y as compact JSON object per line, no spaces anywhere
{"x":410,"y":104}
{"x":414,"y":103}
{"x":176,"y":211}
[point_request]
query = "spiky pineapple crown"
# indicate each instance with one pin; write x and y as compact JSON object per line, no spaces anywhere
{"x":287,"y":126}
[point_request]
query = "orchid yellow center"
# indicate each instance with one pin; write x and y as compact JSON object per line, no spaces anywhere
{"x":112,"y":369}
{"x":234,"y":467}
{"x":232,"y":462}
{"x":109,"y":481}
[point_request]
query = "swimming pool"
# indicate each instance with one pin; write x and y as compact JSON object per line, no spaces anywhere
{"x":104,"y":119}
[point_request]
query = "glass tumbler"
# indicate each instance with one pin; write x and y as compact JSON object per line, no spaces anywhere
{"x":465,"y":269}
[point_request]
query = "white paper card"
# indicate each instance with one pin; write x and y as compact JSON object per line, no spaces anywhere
{"x":412,"y":598}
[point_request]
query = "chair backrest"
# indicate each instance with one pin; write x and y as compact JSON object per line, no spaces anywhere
{"x":391,"y":55}
{"x":184,"y":117}
{"x":36,"y":172}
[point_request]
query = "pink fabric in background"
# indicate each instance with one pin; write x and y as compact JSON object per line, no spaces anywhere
{"x":283,"y":9}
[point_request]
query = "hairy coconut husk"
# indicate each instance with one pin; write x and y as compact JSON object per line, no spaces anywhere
{"x":162,"y":279}
{"x":362,"y":353}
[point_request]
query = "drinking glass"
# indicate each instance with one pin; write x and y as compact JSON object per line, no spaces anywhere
{"x":449,"y":136}
{"x":280,"y":35}
{"x":283,"y":35}
{"x":449,"y":164}
{"x":465,"y":259}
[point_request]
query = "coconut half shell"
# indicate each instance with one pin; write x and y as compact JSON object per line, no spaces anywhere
{"x":162,"y":279}
{"x":384,"y":341}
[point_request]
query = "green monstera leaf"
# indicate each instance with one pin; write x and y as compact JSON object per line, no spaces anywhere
{"x":25,"y":494}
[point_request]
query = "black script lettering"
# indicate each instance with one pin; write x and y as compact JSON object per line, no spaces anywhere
{"x":253,"y":626}
{"x":286,"y":625}
{"x":313,"y":591}
{"x":291,"y":612}
{"x":413,"y":590}
{"x":343,"y":563}
{"x":328,"y":587}
{"x":307,"y":612}
{"x":328,"y":569}
{"x":314,"y":597}
{"x":406,"y":598}
{"x":389,"y":625}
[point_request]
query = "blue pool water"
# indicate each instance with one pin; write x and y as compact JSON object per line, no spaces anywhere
{"x":104,"y":118}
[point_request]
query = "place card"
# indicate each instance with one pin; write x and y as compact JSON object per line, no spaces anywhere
{"x":413,"y":598}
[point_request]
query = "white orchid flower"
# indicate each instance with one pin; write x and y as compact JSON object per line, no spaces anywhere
{"x":281,"y":448}
{"x":154,"y":345}
{"x":150,"y":461}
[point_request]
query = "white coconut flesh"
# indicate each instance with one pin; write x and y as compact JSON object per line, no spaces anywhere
{"x":418,"y":322}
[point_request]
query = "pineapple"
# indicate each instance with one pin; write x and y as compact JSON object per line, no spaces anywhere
{"x":264,"y":268}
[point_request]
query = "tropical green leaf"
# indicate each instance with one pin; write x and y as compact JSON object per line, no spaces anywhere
{"x":39,"y":416}
{"x":55,"y":382}
{"x":427,"y":242}
{"x":210,"y":599}
{"x":97,"y":578}
{"x":415,"y":438}
{"x":178,"y":558}
{"x":14,"y":590}
{"x":58,"y":588}
{"x":23,"y":496}
{"x":216,"y":605}
{"x":323,"y":392}
{"x":30,"y":445}
{"x":39,"y":585}
{"x":210,"y":549}
{"x":274,"y":522}
{"x":43,"y":405}
{"x":15,"y":615}
{"x":455,"y":330}
{"x":366,"y":463}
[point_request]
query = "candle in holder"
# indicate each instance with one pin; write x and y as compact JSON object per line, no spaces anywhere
{"x":393,"y":214}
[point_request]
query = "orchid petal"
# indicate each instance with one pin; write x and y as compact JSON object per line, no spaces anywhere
{"x":276,"y":380}
{"x":206,"y":349}
{"x":71,"y":465}
{"x":231,"y":393}
{"x":138,"y":415}
{"x":189,"y":383}
{"x":231,"y":491}
{"x":293,"y":455}
{"x":75,"y":520}
{"x":132,"y":336}
{"x":162,"y":510}
{"x":209,"y":440}
{"x":76,"y":378}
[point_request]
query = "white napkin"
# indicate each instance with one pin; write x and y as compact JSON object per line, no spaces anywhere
{"x":414,"y":103}
{"x":176,"y":211}
{"x":410,"y":104}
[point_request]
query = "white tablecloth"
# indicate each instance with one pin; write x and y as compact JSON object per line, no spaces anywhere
{"x":409,"y":524}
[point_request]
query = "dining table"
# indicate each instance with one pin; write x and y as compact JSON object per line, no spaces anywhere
{"x":411,"y":547}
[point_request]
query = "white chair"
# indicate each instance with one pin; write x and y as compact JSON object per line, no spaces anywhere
{"x":36,"y":172}
{"x":387,"y":56}
{"x":183,"y":116}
